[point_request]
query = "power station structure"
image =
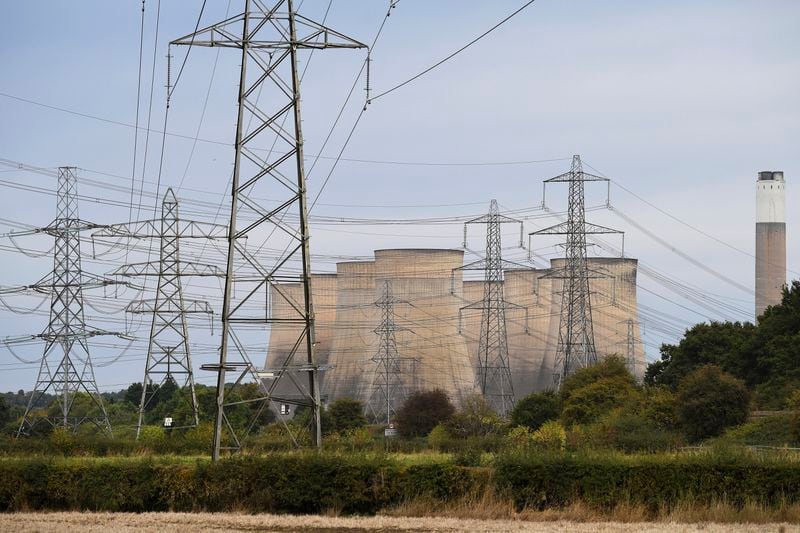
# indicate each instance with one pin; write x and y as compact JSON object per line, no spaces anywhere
{"x":270,"y":39}
{"x":492,"y":369}
{"x":66,"y":368}
{"x":770,"y":239}
{"x":432,"y":289}
{"x":169,"y":360}
{"x":576,"y":343}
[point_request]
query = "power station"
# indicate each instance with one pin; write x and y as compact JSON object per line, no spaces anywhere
{"x":770,"y":239}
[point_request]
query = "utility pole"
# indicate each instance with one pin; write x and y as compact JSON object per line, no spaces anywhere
{"x":575,"y":347}
{"x":492,"y":365}
{"x":66,"y":368}
{"x":388,"y":387}
{"x":269,"y":40}
{"x":169,"y":359}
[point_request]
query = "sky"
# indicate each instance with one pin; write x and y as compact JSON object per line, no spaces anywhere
{"x":680,"y":103}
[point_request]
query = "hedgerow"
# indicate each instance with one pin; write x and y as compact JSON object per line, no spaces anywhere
{"x":367,"y":483}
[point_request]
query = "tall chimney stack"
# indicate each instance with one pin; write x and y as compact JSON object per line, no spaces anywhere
{"x":770,"y":239}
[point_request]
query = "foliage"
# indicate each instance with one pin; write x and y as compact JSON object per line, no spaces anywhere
{"x":519,"y":438}
{"x":475,"y":418}
{"x":439,"y":437}
{"x":656,"y":481}
{"x":422,"y":411}
{"x":764,"y":356}
{"x":550,"y":436}
{"x":5,"y":412}
{"x":766,"y":431}
{"x":535,"y":409}
{"x":710,"y":400}
{"x":629,"y":431}
{"x":345,"y":414}
{"x":594,"y":391}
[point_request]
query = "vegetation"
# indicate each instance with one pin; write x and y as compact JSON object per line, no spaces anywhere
{"x":710,"y":400}
{"x":535,"y":409}
{"x":422,"y":411}
{"x":763,"y":356}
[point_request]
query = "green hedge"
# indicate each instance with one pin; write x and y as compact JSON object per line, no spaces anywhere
{"x":656,"y":481}
{"x":364,"y":484}
{"x":286,"y":483}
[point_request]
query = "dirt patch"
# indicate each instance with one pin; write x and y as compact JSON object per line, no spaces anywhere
{"x":219,"y":522}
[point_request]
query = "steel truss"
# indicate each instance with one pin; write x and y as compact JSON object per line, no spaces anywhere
{"x":492,"y":369}
{"x":66,"y":365}
{"x":269,"y":39}
{"x":391,"y":372}
{"x":575,"y":347}
{"x":169,"y":359}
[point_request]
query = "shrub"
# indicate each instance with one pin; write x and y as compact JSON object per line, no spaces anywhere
{"x":519,"y":438}
{"x":535,"y":409}
{"x":422,"y":411}
{"x":63,"y":440}
{"x":438,"y":437}
{"x":345,"y":414}
{"x":632,"y":432}
{"x":152,"y":437}
{"x":710,"y":400}
{"x":475,"y":419}
{"x":596,"y":390}
{"x":551,"y":436}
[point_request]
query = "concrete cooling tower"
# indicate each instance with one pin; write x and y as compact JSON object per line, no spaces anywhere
{"x":428,"y":290}
{"x":770,"y":239}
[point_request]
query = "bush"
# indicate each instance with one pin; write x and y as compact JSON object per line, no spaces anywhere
{"x":551,"y":436}
{"x":631,"y":432}
{"x":422,"y":411}
{"x":475,"y":419}
{"x":519,"y":438}
{"x":710,"y":400}
{"x":592,"y":392}
{"x":438,"y":438}
{"x":535,"y":409}
{"x":346,"y":414}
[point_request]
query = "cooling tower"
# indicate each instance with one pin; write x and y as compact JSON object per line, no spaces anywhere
{"x":421,"y":280}
{"x":354,"y":341}
{"x":770,"y":239}
{"x":613,"y":299}
{"x":283,"y":336}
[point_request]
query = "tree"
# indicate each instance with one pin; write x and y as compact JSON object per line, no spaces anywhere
{"x":5,"y":412}
{"x":710,"y":400}
{"x":344,"y":414}
{"x":420,"y":413}
{"x":535,"y":409}
{"x":476,"y":418}
{"x":133,"y":394}
{"x":594,"y":391}
{"x":719,"y":343}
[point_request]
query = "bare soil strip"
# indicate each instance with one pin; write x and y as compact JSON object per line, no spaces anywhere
{"x":218,"y":522}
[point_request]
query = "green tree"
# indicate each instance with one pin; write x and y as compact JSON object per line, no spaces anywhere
{"x":475,"y":418}
{"x":345,"y":414}
{"x":5,"y":412}
{"x":422,"y":411}
{"x":594,"y":391}
{"x":133,"y":394}
{"x":535,"y":409}
{"x":710,"y":400}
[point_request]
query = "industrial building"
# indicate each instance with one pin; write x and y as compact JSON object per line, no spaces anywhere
{"x":436,"y":343}
{"x":770,"y":239}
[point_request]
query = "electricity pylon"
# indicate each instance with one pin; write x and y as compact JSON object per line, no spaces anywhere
{"x":630,"y":345}
{"x":269,"y":39}
{"x":66,"y":365}
{"x":389,"y":388}
{"x":575,"y":347}
{"x":168,"y":356}
{"x":492,"y":367}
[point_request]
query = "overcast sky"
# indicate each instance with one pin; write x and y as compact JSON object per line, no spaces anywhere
{"x":681,"y":102}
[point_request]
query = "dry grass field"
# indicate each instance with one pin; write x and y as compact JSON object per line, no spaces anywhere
{"x":187,"y":522}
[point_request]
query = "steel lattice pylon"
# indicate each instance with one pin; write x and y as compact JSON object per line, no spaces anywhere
{"x":168,"y":356}
{"x":269,"y":164}
{"x":389,"y":389}
{"x":66,"y":365}
{"x":492,"y":368}
{"x":630,"y":345}
{"x":575,"y":347}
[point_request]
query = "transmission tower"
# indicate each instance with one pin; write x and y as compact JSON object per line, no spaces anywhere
{"x":66,"y":365}
{"x":575,"y":347}
{"x":268,"y":163}
{"x":630,"y":345}
{"x":389,"y":387}
{"x":169,"y":360}
{"x":492,"y":366}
